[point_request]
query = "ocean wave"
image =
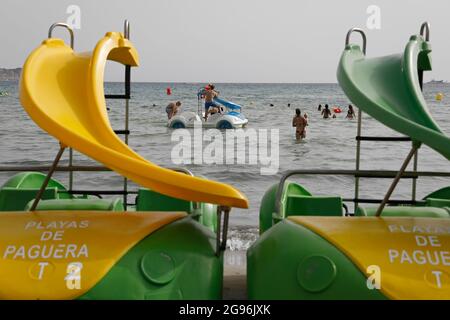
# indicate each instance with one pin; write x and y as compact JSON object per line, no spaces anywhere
{"x":241,"y":238}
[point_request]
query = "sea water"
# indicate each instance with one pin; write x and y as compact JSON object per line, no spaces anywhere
{"x":329,"y":144}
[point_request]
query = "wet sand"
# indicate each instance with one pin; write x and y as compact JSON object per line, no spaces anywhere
{"x":235,"y":270}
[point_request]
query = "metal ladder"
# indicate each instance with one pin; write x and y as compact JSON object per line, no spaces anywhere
{"x":126,"y":132}
{"x":359,"y":138}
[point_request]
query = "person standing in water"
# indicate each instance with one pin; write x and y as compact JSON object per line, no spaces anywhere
{"x":300,"y":123}
{"x":172,"y":109}
{"x":210,"y":94}
{"x":350,"y":113}
{"x":319,"y":108}
{"x":305,"y":116}
{"x":326,"y":113}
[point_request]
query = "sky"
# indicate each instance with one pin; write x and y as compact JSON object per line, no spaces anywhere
{"x":260,"y":41}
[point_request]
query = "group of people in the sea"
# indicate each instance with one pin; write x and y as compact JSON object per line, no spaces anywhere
{"x":327,"y":113}
{"x":300,"y":121}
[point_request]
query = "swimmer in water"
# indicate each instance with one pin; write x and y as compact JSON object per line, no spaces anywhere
{"x":300,"y":124}
{"x":319,"y":108}
{"x":326,"y":113}
{"x":350,"y":113}
{"x":305,"y":116}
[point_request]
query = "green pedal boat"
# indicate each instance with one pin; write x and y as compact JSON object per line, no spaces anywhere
{"x":311,"y":247}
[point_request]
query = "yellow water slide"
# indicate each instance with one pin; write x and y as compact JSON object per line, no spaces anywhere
{"x":63,"y":93}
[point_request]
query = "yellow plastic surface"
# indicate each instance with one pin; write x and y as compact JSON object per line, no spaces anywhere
{"x":38,"y":250}
{"x":413,"y":254}
{"x":63,"y":93}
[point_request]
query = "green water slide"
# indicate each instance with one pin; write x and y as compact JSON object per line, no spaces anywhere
{"x":389,"y":89}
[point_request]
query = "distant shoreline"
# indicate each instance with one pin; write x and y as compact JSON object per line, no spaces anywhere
{"x":217,"y":83}
{"x":10,"y":74}
{"x":13,"y":75}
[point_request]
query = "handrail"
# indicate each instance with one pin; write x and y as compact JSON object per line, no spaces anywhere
{"x":359,"y":173}
{"x":126,"y":29}
{"x":182,"y":170}
{"x":64,"y":25}
{"x":363,"y":35}
{"x":59,"y":168}
{"x":71,"y":168}
{"x":359,"y":128}
{"x":354,"y":173}
{"x":425,"y":27}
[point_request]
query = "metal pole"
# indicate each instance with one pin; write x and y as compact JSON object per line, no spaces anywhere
{"x":414,"y":181}
{"x":358,"y":142}
{"x":70,"y":172}
{"x":226,"y":211}
{"x":358,"y":157}
{"x":127,"y":109}
{"x":397,"y":179}
{"x":199,"y":104}
{"x":425,"y":27}
{"x":47,"y":178}
{"x":219,"y":218}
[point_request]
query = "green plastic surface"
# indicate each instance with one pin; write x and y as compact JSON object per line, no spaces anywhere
{"x":405,"y":211}
{"x":34,"y":180}
{"x":177,"y":261}
{"x":291,"y":262}
{"x":23,"y":187}
{"x":79,"y":205}
{"x":12,"y":199}
{"x":149,"y":200}
{"x":267,"y":215}
{"x":205,"y":213}
{"x":296,"y":200}
{"x":443,"y":194}
{"x":314,"y":206}
{"x":440,"y":203}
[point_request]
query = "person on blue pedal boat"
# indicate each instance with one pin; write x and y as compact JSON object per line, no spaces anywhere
{"x":209,"y":95}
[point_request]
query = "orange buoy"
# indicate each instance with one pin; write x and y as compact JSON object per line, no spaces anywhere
{"x":337,"y":110}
